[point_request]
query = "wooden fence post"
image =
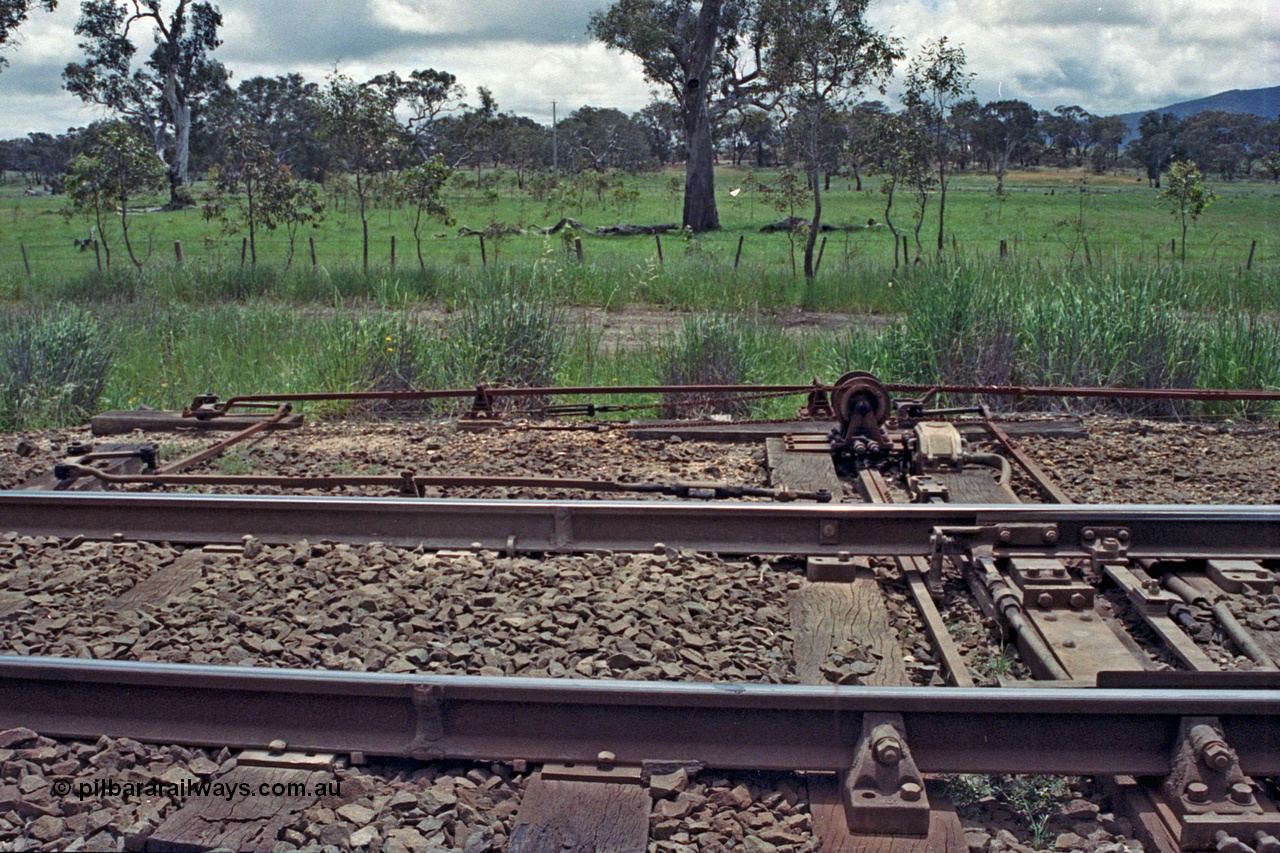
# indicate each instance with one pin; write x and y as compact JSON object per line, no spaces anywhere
{"x":484,"y":257}
{"x":178,"y":257}
{"x":97,"y":253}
{"x":657,"y":238}
{"x":313,"y":250}
{"x":244,"y":250}
{"x":393,"y":251}
{"x":1004,"y":249}
{"x":1088,"y":258}
{"x":577,"y":247}
{"x":738,"y":256}
{"x":817,"y":265}
{"x":25,"y":262}
{"x":906,"y":255}
{"x":1249,"y":264}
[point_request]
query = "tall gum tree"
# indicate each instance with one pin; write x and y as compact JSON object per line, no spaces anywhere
{"x":820,"y":54}
{"x":936,"y":80}
{"x":689,"y":48}
{"x":172,"y":84}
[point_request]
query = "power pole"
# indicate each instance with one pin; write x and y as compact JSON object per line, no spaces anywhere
{"x":555,"y":151}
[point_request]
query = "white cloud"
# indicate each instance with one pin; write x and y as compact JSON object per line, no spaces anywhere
{"x":1106,"y":55}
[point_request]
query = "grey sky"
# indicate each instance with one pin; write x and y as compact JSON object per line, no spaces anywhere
{"x":1108,"y":56}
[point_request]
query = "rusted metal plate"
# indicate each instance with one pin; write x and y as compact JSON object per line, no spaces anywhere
{"x":764,"y":727}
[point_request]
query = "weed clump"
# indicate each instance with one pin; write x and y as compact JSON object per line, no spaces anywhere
{"x":53,"y":368}
{"x":506,"y":334}
{"x":711,"y":349}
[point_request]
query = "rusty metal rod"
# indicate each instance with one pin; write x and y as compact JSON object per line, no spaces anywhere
{"x":1204,"y":395}
{"x":1240,"y":635}
{"x":765,"y":727}
{"x":210,"y":410}
{"x":217,"y":450}
{"x":1047,"y":488}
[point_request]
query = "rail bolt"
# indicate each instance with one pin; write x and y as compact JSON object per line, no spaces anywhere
{"x":1045,"y":600}
{"x":1006,"y":535}
{"x":1217,"y":755}
{"x":888,"y":750}
{"x":1078,"y":601}
{"x":605,"y":759}
{"x":1123,"y":535}
{"x":911,"y":791}
{"x":1241,"y":793}
{"x":1049,"y":535}
{"x":1088,"y":534}
{"x":1196,"y":792}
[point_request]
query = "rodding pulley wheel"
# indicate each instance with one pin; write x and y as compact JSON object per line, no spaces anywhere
{"x":861,"y":404}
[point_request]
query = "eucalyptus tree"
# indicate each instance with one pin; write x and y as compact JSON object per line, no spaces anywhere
{"x":820,"y":54}
{"x":363,"y":138}
{"x":119,"y":168}
{"x":689,"y":47}
{"x":163,"y":94}
{"x":935,"y":81}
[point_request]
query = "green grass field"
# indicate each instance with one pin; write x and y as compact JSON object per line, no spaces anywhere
{"x":1043,"y":217}
{"x":1123,"y":312}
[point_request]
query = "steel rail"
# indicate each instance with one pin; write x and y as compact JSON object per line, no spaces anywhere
{"x":762,"y":727}
{"x":1169,"y":532}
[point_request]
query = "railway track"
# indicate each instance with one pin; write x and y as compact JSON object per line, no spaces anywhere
{"x":688,"y":642}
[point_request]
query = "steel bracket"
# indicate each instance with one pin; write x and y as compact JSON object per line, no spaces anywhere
{"x":482,"y":406}
{"x":926,"y":490}
{"x":1206,"y":792}
{"x":1143,"y":591}
{"x":884,"y":792}
{"x":1105,"y":545}
{"x":1047,"y":584}
{"x":818,"y":405}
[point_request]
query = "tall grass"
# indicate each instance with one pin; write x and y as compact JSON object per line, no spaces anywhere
{"x":53,"y":368}
{"x":703,"y":281}
{"x":60,"y":362}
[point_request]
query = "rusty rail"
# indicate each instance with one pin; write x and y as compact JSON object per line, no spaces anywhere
{"x":763,"y":727}
{"x":1168,"y":532}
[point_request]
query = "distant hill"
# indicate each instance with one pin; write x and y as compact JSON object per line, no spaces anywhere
{"x":1263,"y":102}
